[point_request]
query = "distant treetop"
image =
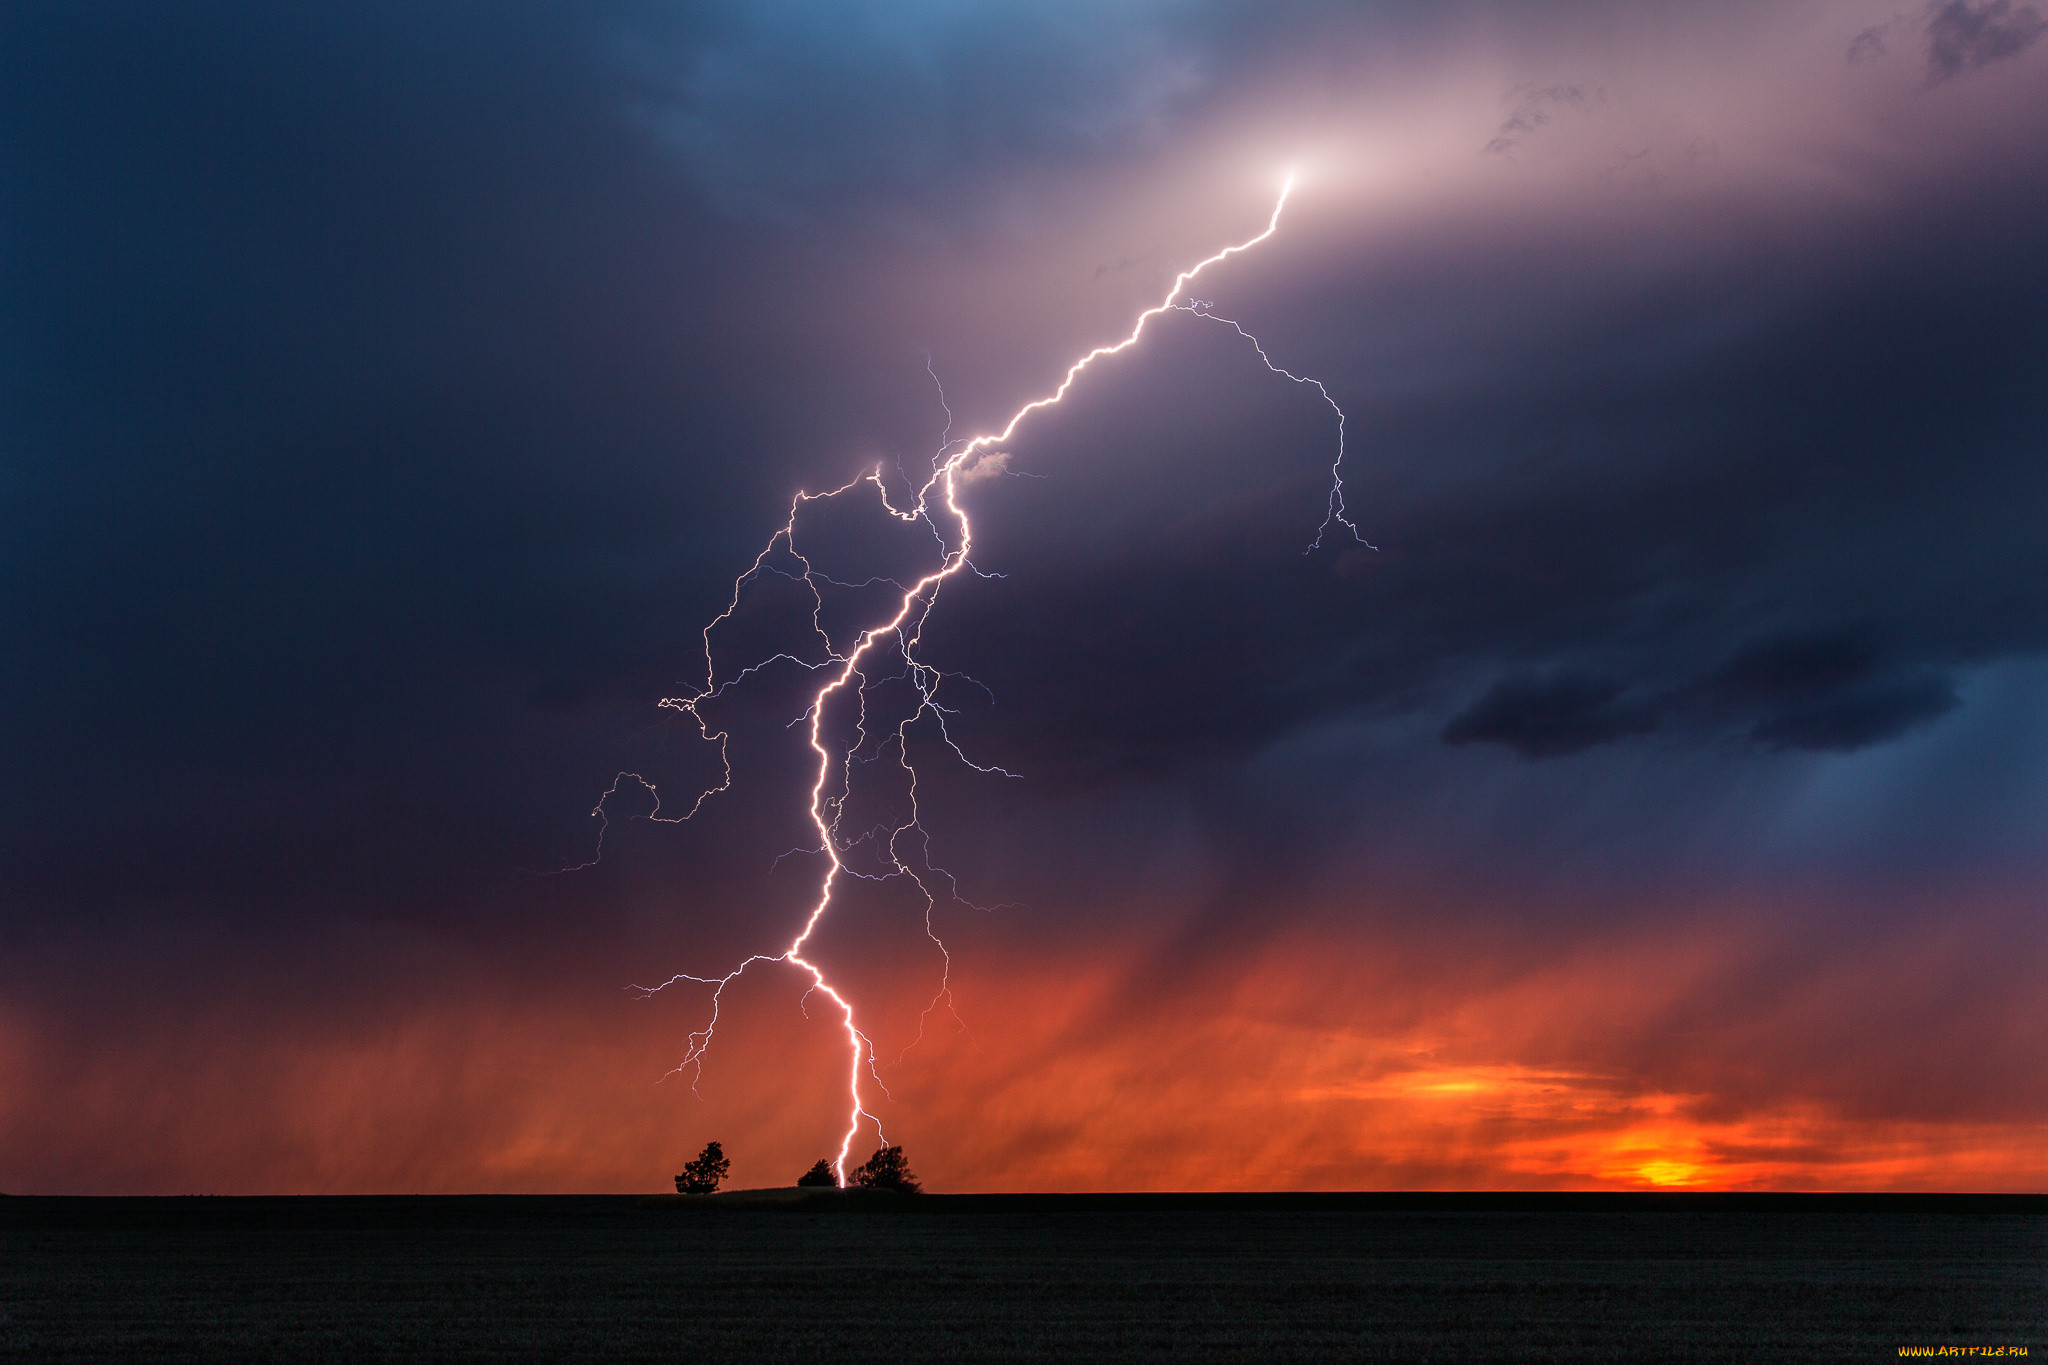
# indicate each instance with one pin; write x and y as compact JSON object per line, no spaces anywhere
{"x":703,"y":1175}
{"x":886,"y":1170}
{"x":820,"y":1174}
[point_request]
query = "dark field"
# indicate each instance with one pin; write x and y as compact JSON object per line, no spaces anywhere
{"x":1307,"y":1277}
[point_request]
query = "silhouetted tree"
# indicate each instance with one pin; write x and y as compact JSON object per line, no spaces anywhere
{"x":703,"y":1175}
{"x":886,"y":1170}
{"x":820,"y":1174}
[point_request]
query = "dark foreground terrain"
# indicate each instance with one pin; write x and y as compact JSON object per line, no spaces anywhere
{"x":1301,"y":1277}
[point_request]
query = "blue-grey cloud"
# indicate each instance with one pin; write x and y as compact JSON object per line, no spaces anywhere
{"x":779,"y":107}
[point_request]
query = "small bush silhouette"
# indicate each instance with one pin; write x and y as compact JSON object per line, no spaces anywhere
{"x":703,"y":1175}
{"x":820,"y":1174}
{"x":886,"y":1170}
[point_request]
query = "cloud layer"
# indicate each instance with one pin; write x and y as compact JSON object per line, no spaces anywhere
{"x":387,"y":399}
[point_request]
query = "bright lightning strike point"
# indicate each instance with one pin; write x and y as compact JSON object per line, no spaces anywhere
{"x":900,"y":632}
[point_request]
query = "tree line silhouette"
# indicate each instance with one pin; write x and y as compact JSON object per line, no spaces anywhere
{"x":885,"y":1170}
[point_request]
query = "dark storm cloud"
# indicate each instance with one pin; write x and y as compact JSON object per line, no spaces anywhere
{"x":1962,"y":36}
{"x":1825,"y":692}
{"x":389,"y":393}
{"x":1541,"y":717}
{"x":1795,"y":533}
{"x":334,"y":338}
{"x":1814,"y":691}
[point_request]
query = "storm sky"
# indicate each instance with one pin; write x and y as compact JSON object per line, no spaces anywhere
{"x":1656,"y":795}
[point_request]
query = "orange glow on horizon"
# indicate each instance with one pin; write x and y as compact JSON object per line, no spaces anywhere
{"x":1300,"y":1069}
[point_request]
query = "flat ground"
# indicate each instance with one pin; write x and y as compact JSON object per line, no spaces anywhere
{"x":1191,"y":1278}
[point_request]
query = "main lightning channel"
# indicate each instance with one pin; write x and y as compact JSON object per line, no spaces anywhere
{"x":844,"y":671}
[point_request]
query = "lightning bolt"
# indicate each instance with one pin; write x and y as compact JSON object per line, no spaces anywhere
{"x":896,"y":637}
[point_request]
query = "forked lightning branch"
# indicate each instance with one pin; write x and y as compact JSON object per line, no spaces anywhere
{"x":887,"y":650}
